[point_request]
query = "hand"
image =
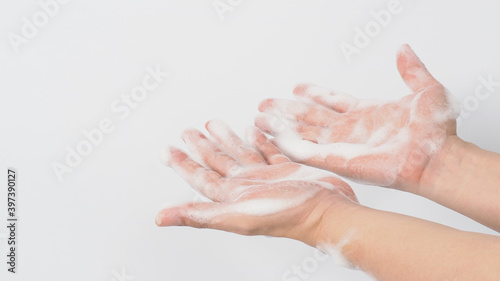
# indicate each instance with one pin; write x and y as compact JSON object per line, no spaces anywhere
{"x":256,"y":190}
{"x":383,"y":143}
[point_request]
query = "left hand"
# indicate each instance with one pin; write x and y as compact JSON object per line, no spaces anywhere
{"x":256,"y":190}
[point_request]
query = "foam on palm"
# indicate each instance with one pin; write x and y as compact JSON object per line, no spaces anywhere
{"x":289,"y":190}
{"x":254,"y":189}
{"x":387,"y":138}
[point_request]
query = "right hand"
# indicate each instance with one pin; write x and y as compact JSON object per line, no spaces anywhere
{"x":382,"y":143}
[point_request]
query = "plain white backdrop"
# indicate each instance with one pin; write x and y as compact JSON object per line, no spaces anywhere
{"x":98,"y":222}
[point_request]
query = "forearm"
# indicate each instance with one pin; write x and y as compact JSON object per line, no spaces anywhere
{"x":465,"y":178}
{"x":390,"y":246}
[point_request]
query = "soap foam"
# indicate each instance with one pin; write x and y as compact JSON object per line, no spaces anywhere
{"x":251,"y":207}
{"x":296,"y":186}
{"x":335,"y":251}
{"x":288,"y":109}
{"x":386,"y":140}
{"x":329,"y":98}
{"x":242,"y":190}
{"x":222,"y":131}
{"x":302,"y":150}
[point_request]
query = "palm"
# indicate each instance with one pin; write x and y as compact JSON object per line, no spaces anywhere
{"x":289,"y":181}
{"x":256,"y":189}
{"x":383,"y":143}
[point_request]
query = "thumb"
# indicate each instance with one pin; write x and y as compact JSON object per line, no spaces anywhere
{"x":214,"y":215}
{"x":199,"y":215}
{"x":413,"y":71}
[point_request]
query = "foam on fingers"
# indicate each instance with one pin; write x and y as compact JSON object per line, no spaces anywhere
{"x":180,"y":215}
{"x":170,"y":154}
{"x":196,"y":142}
{"x":255,"y":136}
{"x":210,"y":153}
{"x":268,"y":150}
{"x":412,"y":70}
{"x":294,"y":130}
{"x":337,"y":101}
{"x":232,"y":143}
{"x":276,"y":126}
{"x":206,"y":181}
{"x":245,"y":196}
{"x":285,"y":108}
{"x":306,"y":112}
{"x":220,"y":130}
{"x":219,"y":215}
{"x":299,"y":150}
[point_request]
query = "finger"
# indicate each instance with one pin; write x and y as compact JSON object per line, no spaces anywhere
{"x":413,"y":71}
{"x":206,"y":181}
{"x":300,"y":111}
{"x":339,"y":102}
{"x":210,"y":154}
{"x":313,"y":154}
{"x":268,"y":150}
{"x":199,"y":215}
{"x":280,"y":127}
{"x":358,"y":162}
{"x":239,"y":217}
{"x":233,"y":144}
{"x":301,"y":151}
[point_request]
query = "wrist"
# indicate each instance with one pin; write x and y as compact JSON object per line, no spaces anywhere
{"x":339,"y":229}
{"x":447,"y":171}
{"x":464,"y":178}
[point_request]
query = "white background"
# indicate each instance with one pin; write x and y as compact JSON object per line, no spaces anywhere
{"x":100,"y":219}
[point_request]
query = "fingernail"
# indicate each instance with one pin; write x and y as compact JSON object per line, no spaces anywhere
{"x":166,"y":156}
{"x":159,"y":219}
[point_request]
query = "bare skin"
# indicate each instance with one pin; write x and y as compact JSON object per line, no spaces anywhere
{"x":396,"y":247}
{"x":257,"y":191}
{"x":243,"y":180}
{"x":321,"y":210}
{"x":415,"y":127}
{"x":409,"y":144}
